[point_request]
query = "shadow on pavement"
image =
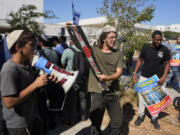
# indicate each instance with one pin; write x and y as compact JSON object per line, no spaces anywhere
{"x":128,"y":113}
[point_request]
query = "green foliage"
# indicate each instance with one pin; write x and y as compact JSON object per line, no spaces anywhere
{"x":135,"y":41}
{"x":146,"y":14}
{"x":126,"y":12}
{"x":171,"y":35}
{"x":25,"y":18}
{"x":123,"y":14}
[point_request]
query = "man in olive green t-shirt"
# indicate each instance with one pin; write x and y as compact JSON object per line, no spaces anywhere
{"x":110,"y":62}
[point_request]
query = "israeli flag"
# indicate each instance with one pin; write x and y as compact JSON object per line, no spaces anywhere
{"x":6,"y":50}
{"x":76,"y":16}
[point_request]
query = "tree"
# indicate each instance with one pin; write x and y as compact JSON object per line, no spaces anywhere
{"x":171,"y":35}
{"x":25,"y":18}
{"x":135,"y":42}
{"x":123,"y":14}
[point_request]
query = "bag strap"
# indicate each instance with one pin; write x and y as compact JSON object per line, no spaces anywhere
{"x":74,"y":50}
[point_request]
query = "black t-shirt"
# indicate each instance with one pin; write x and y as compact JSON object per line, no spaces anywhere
{"x":154,"y":60}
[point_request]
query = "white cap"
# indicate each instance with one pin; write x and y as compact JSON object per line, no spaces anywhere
{"x":108,"y":28}
{"x":13,"y":37}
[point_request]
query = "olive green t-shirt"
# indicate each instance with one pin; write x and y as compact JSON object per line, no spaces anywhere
{"x":108,"y":63}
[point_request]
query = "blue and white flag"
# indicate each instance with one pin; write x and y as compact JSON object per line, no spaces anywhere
{"x":76,"y":15}
{"x":6,"y":50}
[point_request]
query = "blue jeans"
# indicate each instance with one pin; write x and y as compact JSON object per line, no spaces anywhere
{"x":174,"y":83}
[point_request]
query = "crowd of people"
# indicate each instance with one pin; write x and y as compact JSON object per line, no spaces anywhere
{"x":31,"y":103}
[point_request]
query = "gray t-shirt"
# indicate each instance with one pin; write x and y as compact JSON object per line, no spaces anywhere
{"x":13,"y":79}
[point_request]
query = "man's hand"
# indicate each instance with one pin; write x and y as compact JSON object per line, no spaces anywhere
{"x":41,"y":81}
{"x":134,"y":78}
{"x":66,"y":25}
{"x":102,"y":77}
{"x":53,"y":78}
{"x":161,"y":80}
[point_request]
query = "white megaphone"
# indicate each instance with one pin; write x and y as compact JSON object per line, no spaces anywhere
{"x":65,"y":78}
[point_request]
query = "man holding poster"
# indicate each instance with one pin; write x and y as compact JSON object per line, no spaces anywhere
{"x":156,"y":61}
{"x":175,"y":65}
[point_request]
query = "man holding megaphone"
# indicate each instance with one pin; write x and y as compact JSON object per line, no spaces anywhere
{"x":18,"y":85}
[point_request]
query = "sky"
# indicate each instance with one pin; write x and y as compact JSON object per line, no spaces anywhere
{"x":166,"y":12}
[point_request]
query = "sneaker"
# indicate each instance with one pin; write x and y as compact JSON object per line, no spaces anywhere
{"x":155,"y":124}
{"x":139,"y":120}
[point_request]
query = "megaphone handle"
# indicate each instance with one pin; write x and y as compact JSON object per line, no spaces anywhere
{"x":41,"y":72}
{"x":62,"y":107}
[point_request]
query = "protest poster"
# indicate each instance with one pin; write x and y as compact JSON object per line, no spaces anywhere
{"x":156,"y":98}
{"x":175,"y":59}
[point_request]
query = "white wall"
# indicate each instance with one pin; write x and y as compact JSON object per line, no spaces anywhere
{"x":6,"y":6}
{"x":52,"y":29}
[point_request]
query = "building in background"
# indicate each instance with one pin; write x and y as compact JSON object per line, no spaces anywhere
{"x":7,"y":6}
{"x":91,"y":26}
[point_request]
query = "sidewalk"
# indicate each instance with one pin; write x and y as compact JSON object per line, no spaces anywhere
{"x":167,"y":120}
